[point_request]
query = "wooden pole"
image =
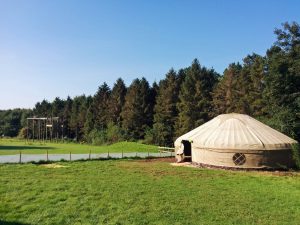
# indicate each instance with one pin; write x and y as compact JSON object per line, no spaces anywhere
{"x":45,"y":122}
{"x":33,"y":130}
{"x":20,"y":158}
{"x":62,"y":133}
{"x":76,"y":132}
{"x":122,"y":153}
{"x":90,"y":155}
{"x":27,"y":131}
{"x":70,"y":156}
{"x":42,"y":131}
{"x":51,"y":129}
{"x":39,"y":125}
{"x":107,"y":153}
{"x":57,"y":131}
{"x":47,"y":155}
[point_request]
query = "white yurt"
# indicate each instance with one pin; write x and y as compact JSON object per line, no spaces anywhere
{"x":235,"y":140}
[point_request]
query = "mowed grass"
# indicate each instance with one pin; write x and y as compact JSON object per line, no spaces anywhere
{"x":145,"y":192}
{"x":14,"y":146}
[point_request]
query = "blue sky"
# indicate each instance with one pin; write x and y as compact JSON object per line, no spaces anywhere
{"x":60,"y":48}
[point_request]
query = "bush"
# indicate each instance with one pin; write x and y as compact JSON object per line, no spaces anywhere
{"x":23,"y":133}
{"x":285,"y":121}
{"x":149,"y":136}
{"x":114,"y":133}
{"x":296,"y":155}
{"x":97,"y":137}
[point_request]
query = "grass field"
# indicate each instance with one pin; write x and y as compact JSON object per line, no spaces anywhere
{"x":14,"y":146}
{"x":145,"y":192}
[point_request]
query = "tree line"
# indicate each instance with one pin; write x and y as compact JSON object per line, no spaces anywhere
{"x":265,"y":87}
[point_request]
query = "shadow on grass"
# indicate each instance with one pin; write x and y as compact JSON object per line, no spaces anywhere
{"x":2,"y":222}
{"x":24,"y":147}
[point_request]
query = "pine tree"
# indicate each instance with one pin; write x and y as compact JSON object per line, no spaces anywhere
{"x":136,"y":113}
{"x":282,"y":92}
{"x":117,"y":100}
{"x":226,"y":93}
{"x":89,"y":124}
{"x":151,"y":101}
{"x":253,"y":75}
{"x":181,"y":76}
{"x":195,"y":100}
{"x":67,"y":116}
{"x":78,"y":117}
{"x":74,"y":120}
{"x":57,"y":107}
{"x":153,"y":95}
{"x":100,"y":107}
{"x":42,"y":109}
{"x":166,"y":110}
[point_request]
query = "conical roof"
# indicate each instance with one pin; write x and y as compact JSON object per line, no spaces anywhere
{"x":236,"y":131}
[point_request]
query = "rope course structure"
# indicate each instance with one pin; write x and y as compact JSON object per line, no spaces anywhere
{"x":44,"y":128}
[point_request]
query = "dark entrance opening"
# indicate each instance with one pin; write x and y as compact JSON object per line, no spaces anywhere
{"x":187,"y":151}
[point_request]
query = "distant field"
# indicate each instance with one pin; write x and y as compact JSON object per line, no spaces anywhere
{"x":145,"y":192}
{"x":14,"y":146}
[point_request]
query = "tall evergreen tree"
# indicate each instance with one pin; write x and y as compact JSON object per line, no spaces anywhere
{"x":117,"y":100}
{"x":152,"y":101}
{"x":57,"y":107}
{"x":225,"y":94}
{"x":100,"y":107}
{"x":165,"y":109}
{"x":195,"y":100}
{"x":137,"y":112}
{"x":67,"y":116}
{"x":42,"y":109}
{"x":78,"y":116}
{"x":89,"y":123}
{"x":282,"y":92}
{"x":181,"y":76}
{"x":252,"y":76}
{"x":241,"y":87}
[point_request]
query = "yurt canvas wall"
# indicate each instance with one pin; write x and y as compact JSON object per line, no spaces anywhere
{"x":237,"y":140}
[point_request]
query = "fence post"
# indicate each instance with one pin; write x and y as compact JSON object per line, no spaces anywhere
{"x":122,"y":153}
{"x":20,"y":158}
{"x":70,"y":156}
{"x":107,"y":153}
{"x":47,"y":156}
{"x":90,"y":155}
{"x":148,"y":153}
{"x":159,"y":153}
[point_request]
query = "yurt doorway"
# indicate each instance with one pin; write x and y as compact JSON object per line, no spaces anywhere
{"x":187,"y":151}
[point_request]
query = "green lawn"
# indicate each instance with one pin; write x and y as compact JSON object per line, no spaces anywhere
{"x":140,"y":192}
{"x":14,"y":146}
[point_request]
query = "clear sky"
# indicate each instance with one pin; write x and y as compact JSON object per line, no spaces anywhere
{"x":60,"y":48}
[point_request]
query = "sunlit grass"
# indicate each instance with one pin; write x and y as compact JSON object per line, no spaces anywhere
{"x":14,"y":146}
{"x":140,"y":192}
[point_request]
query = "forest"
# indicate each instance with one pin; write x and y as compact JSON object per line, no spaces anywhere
{"x":266,"y":87}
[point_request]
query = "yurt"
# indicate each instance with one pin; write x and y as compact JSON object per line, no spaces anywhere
{"x":236,"y":141}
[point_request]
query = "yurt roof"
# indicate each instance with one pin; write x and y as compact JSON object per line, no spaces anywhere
{"x":236,"y":131}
